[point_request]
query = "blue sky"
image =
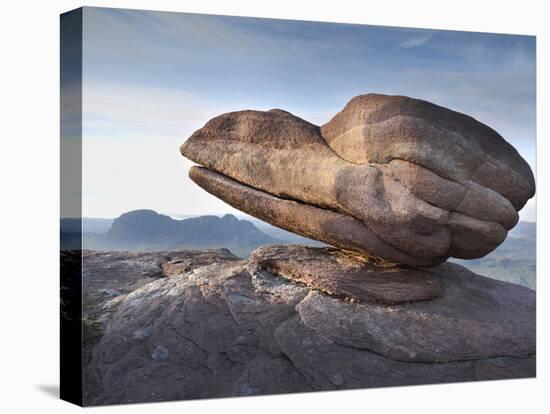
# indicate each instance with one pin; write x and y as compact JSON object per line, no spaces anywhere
{"x":152,"y":78}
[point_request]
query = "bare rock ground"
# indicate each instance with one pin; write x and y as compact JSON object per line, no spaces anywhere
{"x":188,"y":325}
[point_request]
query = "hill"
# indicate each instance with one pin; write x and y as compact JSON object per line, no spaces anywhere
{"x":146,"y":230}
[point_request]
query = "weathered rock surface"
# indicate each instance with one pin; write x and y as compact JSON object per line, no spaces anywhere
{"x":233,"y":328}
{"x":416,"y":182}
{"x":306,"y":220}
{"x":108,"y":276}
{"x":378,"y":129}
{"x":348,"y":276}
{"x":195,"y":259}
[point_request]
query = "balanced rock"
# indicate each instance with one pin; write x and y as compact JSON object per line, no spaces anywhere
{"x":389,"y":176}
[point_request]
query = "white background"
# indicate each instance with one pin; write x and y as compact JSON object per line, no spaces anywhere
{"x":29,"y":330}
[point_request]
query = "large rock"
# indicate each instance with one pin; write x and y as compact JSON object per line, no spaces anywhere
{"x":233,"y":328}
{"x":390,"y":176}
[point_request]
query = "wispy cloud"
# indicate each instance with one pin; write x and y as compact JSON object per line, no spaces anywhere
{"x":118,"y":111}
{"x":416,"y":41}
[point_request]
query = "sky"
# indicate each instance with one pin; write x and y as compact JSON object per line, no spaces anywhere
{"x":150,"y":79}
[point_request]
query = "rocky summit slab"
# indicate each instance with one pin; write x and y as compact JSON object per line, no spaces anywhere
{"x":231,"y":328}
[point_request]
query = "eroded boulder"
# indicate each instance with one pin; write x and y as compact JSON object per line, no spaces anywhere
{"x":390,"y":176}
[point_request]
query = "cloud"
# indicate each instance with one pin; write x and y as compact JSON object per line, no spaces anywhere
{"x":416,"y":41}
{"x":130,"y":157}
{"x":121,"y":111}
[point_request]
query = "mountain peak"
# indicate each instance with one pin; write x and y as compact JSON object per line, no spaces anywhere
{"x":148,"y":230}
{"x":230,"y":218}
{"x":140,"y":213}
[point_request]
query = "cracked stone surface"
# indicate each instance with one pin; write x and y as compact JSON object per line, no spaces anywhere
{"x":390,"y":176}
{"x":232,"y":328}
{"x":348,"y":276}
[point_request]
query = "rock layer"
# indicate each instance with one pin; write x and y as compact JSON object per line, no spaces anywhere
{"x":418,"y":182}
{"x":348,"y":276}
{"x":306,"y":220}
{"x":233,"y":328}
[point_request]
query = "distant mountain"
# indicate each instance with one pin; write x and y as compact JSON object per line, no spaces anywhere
{"x":513,"y":261}
{"x":146,"y":230}
{"x":72,"y":227}
{"x":89,"y":225}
